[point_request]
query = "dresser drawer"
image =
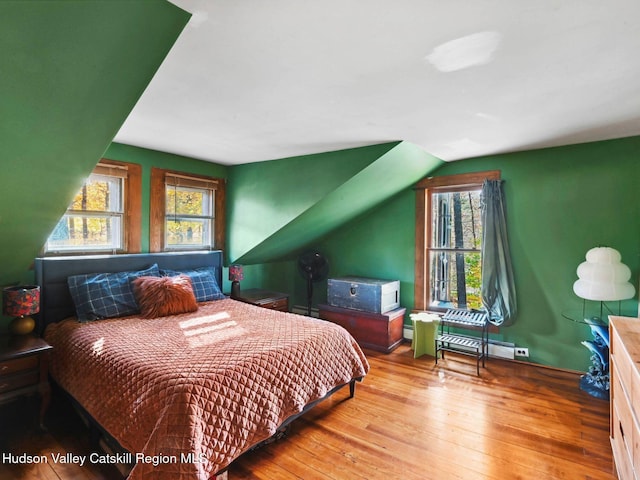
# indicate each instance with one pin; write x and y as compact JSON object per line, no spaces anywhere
{"x":624,"y":334}
{"x":8,"y":367}
{"x":264,"y":299}
{"x":625,"y":426}
{"x":279,"y":304}
{"x":24,"y":362}
{"x":623,"y":462}
{"x":14,"y":382}
{"x":621,"y":358}
{"x":633,"y":391}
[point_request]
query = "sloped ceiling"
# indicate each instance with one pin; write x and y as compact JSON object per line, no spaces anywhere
{"x":71,"y":73}
{"x":252,"y":80}
{"x":309,"y":204}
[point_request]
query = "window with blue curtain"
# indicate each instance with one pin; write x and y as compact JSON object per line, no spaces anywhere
{"x":460,"y":235}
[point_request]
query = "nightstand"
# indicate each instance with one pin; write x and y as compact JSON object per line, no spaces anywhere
{"x":24,"y":368}
{"x":265,"y":299}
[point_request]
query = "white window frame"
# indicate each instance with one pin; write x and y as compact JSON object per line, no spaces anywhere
{"x":117,"y":213}
{"x":441,"y":255}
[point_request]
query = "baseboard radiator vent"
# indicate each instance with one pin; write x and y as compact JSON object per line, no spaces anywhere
{"x":302,"y":310}
{"x":497,"y":349}
{"x":407,"y":333}
{"x":501,"y":349}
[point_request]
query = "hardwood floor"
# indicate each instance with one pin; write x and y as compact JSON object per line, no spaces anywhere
{"x":410,"y":419}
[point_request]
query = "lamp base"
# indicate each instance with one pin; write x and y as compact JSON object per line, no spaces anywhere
{"x":595,"y":386}
{"x":22,"y":325}
{"x":235,"y":289}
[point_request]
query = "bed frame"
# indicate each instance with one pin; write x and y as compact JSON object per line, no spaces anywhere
{"x":52,"y":272}
{"x":56,"y":304}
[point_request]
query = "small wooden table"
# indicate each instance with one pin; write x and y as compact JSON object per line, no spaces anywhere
{"x":24,"y":368}
{"x":265,"y":298}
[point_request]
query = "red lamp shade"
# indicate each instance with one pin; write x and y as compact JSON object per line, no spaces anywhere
{"x":21,"y":301}
{"x":235,"y":273}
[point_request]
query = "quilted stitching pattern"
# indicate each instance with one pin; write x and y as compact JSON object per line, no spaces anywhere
{"x":212,"y":383}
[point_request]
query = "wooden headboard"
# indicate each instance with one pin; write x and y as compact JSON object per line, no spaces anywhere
{"x":52,"y":272}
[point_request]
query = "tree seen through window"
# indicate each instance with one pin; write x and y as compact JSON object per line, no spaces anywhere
{"x":455,"y":249}
{"x":94,"y":218}
{"x":189,"y":217}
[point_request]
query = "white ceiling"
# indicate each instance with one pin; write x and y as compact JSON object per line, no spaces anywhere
{"x":254,"y":80}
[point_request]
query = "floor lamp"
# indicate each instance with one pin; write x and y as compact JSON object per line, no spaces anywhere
{"x":601,"y":278}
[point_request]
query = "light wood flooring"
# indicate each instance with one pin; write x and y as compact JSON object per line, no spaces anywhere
{"x":410,"y":419}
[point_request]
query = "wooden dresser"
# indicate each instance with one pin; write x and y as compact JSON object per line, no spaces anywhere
{"x":624,"y":335}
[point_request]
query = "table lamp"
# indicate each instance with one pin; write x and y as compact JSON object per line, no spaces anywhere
{"x":21,"y":302}
{"x":235,"y":275}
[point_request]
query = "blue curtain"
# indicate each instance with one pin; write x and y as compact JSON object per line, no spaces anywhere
{"x":498,"y":288}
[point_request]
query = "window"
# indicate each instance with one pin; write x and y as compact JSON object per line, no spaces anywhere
{"x":454,"y":249}
{"x":449,"y":241}
{"x":97,"y":220}
{"x":187,"y":211}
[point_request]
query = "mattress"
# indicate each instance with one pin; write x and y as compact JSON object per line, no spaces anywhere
{"x":187,"y":394}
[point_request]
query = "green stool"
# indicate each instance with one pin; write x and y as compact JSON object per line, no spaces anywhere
{"x":425,"y":330}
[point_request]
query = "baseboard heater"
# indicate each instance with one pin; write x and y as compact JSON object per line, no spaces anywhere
{"x":302,"y":310}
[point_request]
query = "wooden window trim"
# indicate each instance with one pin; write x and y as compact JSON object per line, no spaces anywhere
{"x":424,"y":188}
{"x":132,"y":242}
{"x":157,"y":207}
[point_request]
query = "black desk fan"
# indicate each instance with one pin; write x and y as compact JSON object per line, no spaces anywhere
{"x":314,"y":267}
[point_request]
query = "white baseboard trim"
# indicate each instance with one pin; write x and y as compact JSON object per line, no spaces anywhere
{"x":407,"y":333}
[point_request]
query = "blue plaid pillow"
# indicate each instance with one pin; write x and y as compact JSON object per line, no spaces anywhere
{"x":205,"y":286}
{"x":106,"y":295}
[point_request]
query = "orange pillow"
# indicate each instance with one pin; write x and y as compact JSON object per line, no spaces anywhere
{"x":162,"y":296}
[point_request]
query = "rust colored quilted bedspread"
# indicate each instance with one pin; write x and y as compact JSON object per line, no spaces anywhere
{"x":212,"y":383}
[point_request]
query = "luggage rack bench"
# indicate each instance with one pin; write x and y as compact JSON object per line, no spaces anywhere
{"x":465,"y":344}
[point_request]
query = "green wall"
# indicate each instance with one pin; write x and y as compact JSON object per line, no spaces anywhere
{"x":71,"y":73}
{"x":277,"y":209}
{"x":281,"y":208}
{"x":379,"y":244}
{"x":265,"y":197}
{"x":561,"y":202}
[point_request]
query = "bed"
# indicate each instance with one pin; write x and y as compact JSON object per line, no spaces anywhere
{"x":186,"y":393}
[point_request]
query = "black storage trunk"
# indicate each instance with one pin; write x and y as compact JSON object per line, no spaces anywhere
{"x":364,"y":294}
